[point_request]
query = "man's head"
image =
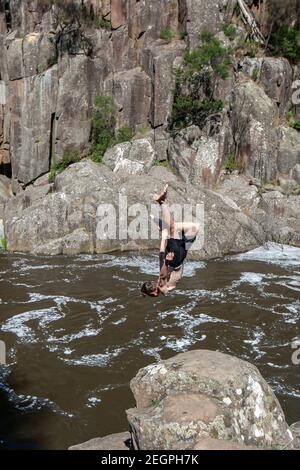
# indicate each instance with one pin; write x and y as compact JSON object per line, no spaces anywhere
{"x":150,"y":289}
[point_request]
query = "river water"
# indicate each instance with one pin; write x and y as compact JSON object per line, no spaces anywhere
{"x":76,"y":332}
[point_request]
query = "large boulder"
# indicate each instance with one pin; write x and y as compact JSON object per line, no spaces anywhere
{"x":67,"y":218}
{"x":296,"y":173}
{"x":289,"y":151}
{"x":254,"y":117}
{"x":279,"y":215}
{"x":111,"y":442}
{"x":196,"y":157}
{"x":240,"y":190}
{"x":274,"y":75}
{"x":133,"y":158}
{"x":295,"y":430}
{"x":205,"y":394}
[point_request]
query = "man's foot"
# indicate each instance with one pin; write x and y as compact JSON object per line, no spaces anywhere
{"x":162,"y":197}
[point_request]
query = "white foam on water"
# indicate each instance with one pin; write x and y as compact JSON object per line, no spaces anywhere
{"x":23,"y":284}
{"x":58,"y":299}
{"x":18,"y":323}
{"x":273,"y":253}
{"x":182,"y":314}
{"x":152,"y":352}
{"x":85,"y":332}
{"x":186,"y":318}
{"x":93,"y":360}
{"x":281,"y":389}
{"x":277,"y":366}
{"x":119,"y":322}
{"x":61,"y":300}
{"x":27,"y":403}
{"x":190,"y":267}
{"x":292,"y":285}
{"x":291,"y":314}
{"x":251,"y":278}
{"x":199,"y":294}
{"x":93,"y":401}
{"x":255,"y":342}
{"x":180,"y":344}
{"x":98,"y":258}
{"x":146,"y":264}
{"x":150,"y":264}
{"x":68,"y":351}
{"x":37,"y":267}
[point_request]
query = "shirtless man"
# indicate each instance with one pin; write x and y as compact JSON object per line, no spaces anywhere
{"x":175,"y":240}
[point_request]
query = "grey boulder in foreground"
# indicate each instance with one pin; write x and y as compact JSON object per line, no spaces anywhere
{"x":202,"y":400}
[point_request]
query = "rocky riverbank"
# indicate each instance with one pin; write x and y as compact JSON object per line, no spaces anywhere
{"x":63,"y":217}
{"x":202,"y":400}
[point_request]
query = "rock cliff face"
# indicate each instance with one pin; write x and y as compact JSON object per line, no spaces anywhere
{"x":51,"y":87}
{"x":51,"y":70}
{"x":202,"y":400}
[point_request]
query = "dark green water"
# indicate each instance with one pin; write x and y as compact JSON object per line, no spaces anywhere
{"x":77,"y":331}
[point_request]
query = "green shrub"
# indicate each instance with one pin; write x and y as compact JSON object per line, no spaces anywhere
{"x":255,"y":74}
{"x":230,"y":164}
{"x":69,"y":157}
{"x":183,"y":35}
{"x":195,"y":81}
{"x":3,"y":244}
{"x":286,"y":42}
{"x":251,"y":48}
{"x":103,"y":23}
{"x":295,"y":191}
{"x":124,"y":134}
{"x":164,"y":164}
{"x":40,"y":68}
{"x":103,"y":134}
{"x":292,"y":122}
{"x":210,"y":53}
{"x":229,"y":30}
{"x":295,"y":124}
{"x":167,"y":34}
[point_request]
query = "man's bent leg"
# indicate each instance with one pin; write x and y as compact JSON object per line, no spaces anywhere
{"x":167,"y":220}
{"x":190,"y":229}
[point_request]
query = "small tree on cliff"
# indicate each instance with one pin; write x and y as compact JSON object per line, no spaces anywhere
{"x":103,"y":133}
{"x":196,"y":81}
{"x":284,"y":34}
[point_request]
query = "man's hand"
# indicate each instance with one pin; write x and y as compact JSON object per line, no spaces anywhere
{"x":170,"y":256}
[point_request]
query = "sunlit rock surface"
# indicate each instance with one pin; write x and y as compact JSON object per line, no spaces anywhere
{"x":203,"y":400}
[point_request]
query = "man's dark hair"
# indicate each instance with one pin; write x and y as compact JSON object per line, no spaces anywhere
{"x":148,"y":288}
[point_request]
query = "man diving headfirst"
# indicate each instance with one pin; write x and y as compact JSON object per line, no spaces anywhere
{"x":175,"y":240}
